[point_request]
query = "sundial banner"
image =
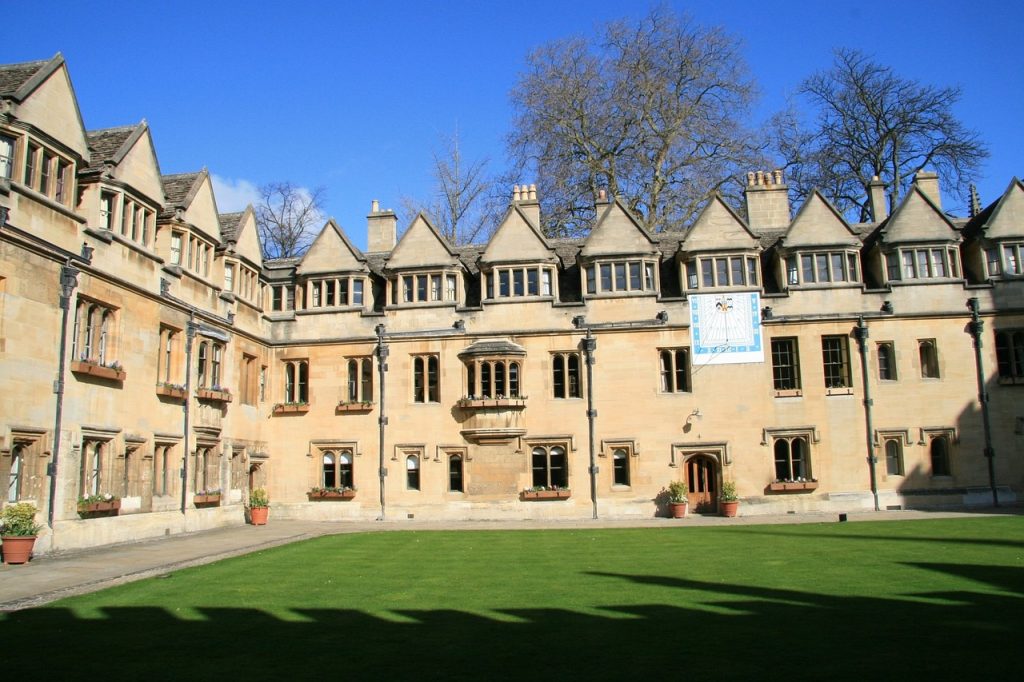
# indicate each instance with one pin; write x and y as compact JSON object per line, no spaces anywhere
{"x":726,"y":328}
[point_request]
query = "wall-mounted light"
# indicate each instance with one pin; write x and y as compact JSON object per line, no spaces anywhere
{"x":887,"y":307}
{"x":693,"y":415}
{"x":766,"y":312}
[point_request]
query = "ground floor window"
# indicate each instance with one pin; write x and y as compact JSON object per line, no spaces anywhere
{"x":620,"y":466}
{"x":792,"y":458}
{"x":455,"y":474}
{"x":550,"y":468}
{"x":893,"y":457}
{"x":412,"y":472}
{"x":337,"y":471}
{"x":938,"y":450}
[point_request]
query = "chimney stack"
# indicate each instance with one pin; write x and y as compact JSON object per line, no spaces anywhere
{"x":526,"y":198}
{"x":767,"y":200}
{"x":877,"y":201}
{"x":928,"y":182}
{"x":381,"y":229}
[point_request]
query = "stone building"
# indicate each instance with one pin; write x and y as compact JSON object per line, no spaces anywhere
{"x":147,"y":351}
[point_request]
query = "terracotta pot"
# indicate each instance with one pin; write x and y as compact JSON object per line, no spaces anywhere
{"x":258,"y":515}
{"x":678,"y":509}
{"x":18,"y":548}
{"x":729,"y":509}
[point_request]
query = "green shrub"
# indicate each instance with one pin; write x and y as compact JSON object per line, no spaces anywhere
{"x":19,"y":520}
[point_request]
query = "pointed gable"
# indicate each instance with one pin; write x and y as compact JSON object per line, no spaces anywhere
{"x":240,"y":229}
{"x":818,"y":223}
{"x":917,"y":219}
{"x":192,"y":193}
{"x":46,"y":99}
{"x":1007,"y":218}
{"x":135,"y":162}
{"x":517,"y":240}
{"x":617,"y":232}
{"x":331,"y":251}
{"x":718,"y":228}
{"x":421,"y":246}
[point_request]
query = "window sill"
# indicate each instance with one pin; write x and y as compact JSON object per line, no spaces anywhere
{"x":176,"y":392}
{"x":213,"y":396}
{"x":97,"y":370}
{"x":484,"y":403}
{"x":788,"y":393}
{"x":839,"y":391}
{"x":291,"y":408}
{"x":542,"y":495}
{"x":98,"y":509}
{"x":327,"y":495}
{"x":206,"y":500}
{"x":1011,"y":381}
{"x":791,"y":486}
{"x":353,"y":407}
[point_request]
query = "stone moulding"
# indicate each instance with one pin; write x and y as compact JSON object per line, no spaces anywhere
{"x":540,"y":495}
{"x":213,"y":395}
{"x":97,"y":370}
{"x":792,"y":486}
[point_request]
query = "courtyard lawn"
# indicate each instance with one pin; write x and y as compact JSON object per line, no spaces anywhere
{"x":934,"y":599}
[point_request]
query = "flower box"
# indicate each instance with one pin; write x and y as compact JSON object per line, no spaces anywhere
{"x":291,"y":408}
{"x":214,"y":395}
{"x":168,"y":391}
{"x":207,"y":500}
{"x":320,"y":495}
{"x":97,"y":370}
{"x":95,"y":509}
{"x":792,"y":486}
{"x":538,"y":495}
{"x":485,"y":403}
{"x":353,"y":407}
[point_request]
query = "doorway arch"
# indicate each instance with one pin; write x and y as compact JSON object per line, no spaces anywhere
{"x":702,"y":476}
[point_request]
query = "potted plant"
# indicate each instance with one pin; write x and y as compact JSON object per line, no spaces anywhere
{"x":728,"y":500}
{"x":259,"y":507}
{"x":677,"y":498}
{"x":18,"y":530}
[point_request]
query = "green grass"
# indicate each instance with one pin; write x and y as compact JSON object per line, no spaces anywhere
{"x":937,"y":599}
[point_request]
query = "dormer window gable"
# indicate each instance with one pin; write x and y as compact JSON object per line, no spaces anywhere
{"x":518,"y":280}
{"x":822,"y":265}
{"x":617,"y":275}
{"x":426,"y":286}
{"x":909,"y":262}
{"x":723,"y":270}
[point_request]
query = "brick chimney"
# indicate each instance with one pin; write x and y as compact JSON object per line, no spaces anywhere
{"x":767,"y":200}
{"x":381,"y":229}
{"x":928,"y":182}
{"x":877,"y":200}
{"x":526,"y":198}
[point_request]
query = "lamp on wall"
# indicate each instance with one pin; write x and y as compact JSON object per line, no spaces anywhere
{"x":887,"y":307}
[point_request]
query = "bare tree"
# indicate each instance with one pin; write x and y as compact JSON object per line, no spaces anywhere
{"x":653,"y":111}
{"x":870,"y":122}
{"x":288,"y":218}
{"x":463,"y":202}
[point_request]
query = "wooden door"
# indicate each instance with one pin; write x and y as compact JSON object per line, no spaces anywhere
{"x":702,"y":478}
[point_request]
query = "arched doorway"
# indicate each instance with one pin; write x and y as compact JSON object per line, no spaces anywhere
{"x":702,"y":478}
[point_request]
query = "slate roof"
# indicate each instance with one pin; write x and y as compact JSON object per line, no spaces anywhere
{"x":492,"y":347}
{"x":229,"y":224}
{"x":13,"y":76}
{"x":104,"y":144}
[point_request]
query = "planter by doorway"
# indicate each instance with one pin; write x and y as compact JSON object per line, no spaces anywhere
{"x":729,"y":509}
{"x":678,"y":509}
{"x":258,"y":515}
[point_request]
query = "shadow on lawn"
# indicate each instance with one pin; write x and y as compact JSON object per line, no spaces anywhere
{"x":990,"y":542}
{"x":747,"y":632}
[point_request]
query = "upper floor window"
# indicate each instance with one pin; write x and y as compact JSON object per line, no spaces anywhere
{"x":785,"y":364}
{"x":922,"y":263}
{"x":176,"y":241}
{"x":565,"y":375}
{"x":229,"y":277}
{"x":519,"y":281}
{"x":209,"y":357}
{"x":360,"y":380}
{"x":887,"y":361}
{"x":429,"y":287}
{"x":93,"y":333}
{"x":247,"y":378}
{"x":296,"y":381}
{"x":166,"y":355}
{"x":710,"y":272}
{"x":824,"y":267}
{"x":928,"y":353}
{"x":336,"y":291}
{"x":1010,"y":354}
{"x":1005,"y":259}
{"x":7,"y":146}
{"x":675,"y":370}
{"x":497,"y":378}
{"x":282,"y":297}
{"x":621,"y":276}
{"x":835,"y":355}
{"x":426,"y":379}
{"x":31,"y":164}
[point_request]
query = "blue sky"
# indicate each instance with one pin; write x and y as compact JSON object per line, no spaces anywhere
{"x":355,"y":95}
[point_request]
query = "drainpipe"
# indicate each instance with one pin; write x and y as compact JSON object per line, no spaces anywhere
{"x":861,"y":334}
{"x":589,"y":346}
{"x":68,"y":281}
{"x":190,"y":335}
{"x":976,"y":327}
{"x":382,"y":420}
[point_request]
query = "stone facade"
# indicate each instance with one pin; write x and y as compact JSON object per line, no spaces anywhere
{"x":149,"y":352}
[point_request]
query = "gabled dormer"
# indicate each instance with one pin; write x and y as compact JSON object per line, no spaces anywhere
{"x":333,"y":274}
{"x":241,"y":256}
{"x":719,"y":252}
{"x":619,"y":257}
{"x":122,"y":192}
{"x":190,"y":222}
{"x":996,"y":237}
{"x":917,"y":242}
{"x":423,"y":268}
{"x":819,"y":248}
{"x":42,"y":138}
{"x":518,"y":261}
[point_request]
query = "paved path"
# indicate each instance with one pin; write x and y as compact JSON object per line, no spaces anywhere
{"x":63,"y":574}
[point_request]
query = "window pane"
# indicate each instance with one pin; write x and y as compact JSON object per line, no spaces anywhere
{"x":546,"y":282}
{"x":785,"y":368}
{"x":455,"y":473}
{"x":691,"y":275}
{"x":591,"y":283}
{"x":606,"y":277}
{"x":939,"y":451}
{"x":736,"y":271}
{"x":821,"y":265}
{"x":807,"y":265}
{"x":620,"y":462}
{"x":517,"y":282}
{"x":620,"y":276}
{"x":667,"y":373}
{"x":634,"y":276}
{"x":722,"y":272}
{"x":503,"y":282}
{"x":432,"y":379}
{"x":531,"y":282}
{"x":838,"y":268}
{"x":707,"y":273}
{"x":893,"y":458}
{"x":573,"y":372}
{"x":938,"y":262}
{"x":752,"y":272}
